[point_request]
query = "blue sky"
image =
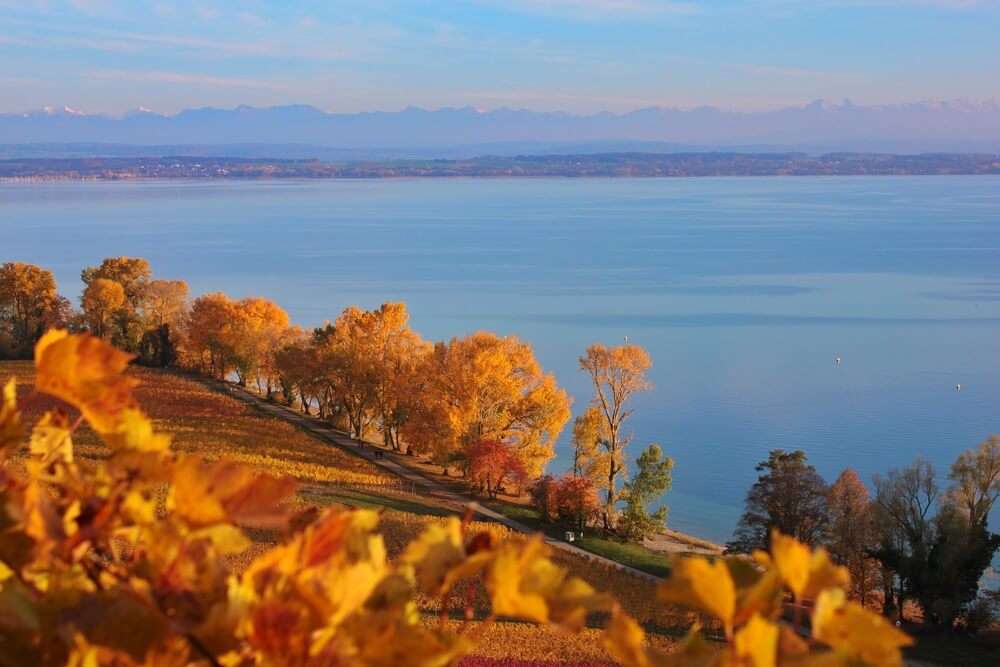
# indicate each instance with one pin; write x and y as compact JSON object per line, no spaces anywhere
{"x":575,"y":55}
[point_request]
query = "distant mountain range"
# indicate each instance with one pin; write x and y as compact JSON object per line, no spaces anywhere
{"x":303,"y":131}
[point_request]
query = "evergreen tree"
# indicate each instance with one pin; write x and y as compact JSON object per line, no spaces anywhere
{"x":652,"y":479}
{"x":788,"y":495}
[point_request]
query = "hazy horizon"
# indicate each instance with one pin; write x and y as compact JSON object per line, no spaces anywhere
{"x":977,"y":105}
{"x":578,"y":56}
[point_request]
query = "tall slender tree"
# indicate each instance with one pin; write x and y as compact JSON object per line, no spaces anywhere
{"x":617,"y":374}
{"x":852,"y":533}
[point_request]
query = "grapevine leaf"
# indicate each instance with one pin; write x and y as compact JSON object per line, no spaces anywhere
{"x":51,"y":439}
{"x":703,"y":585}
{"x":852,"y":630}
{"x":757,"y":642}
{"x":88,"y":374}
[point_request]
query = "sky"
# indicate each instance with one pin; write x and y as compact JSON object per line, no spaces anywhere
{"x":580,"y":56}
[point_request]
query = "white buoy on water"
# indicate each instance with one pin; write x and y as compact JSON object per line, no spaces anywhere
{"x":837,"y":361}
{"x":958,"y":387}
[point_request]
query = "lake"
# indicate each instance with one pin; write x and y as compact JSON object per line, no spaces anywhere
{"x":744,"y":290}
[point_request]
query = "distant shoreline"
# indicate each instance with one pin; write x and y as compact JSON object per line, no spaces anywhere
{"x":601,"y":165}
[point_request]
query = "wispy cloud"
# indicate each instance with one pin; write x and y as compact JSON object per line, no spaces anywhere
{"x":123,"y":41}
{"x":956,"y":5}
{"x":182,"y":78}
{"x":600,"y":9}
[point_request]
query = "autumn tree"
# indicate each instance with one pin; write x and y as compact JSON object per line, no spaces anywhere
{"x":165,"y":302}
{"x":101,"y":299}
{"x":133,"y":275}
{"x":852,"y":536}
{"x":975,"y":476}
{"x":395,"y":353}
{"x":255,"y":335}
{"x":617,"y":374}
{"x":344,"y":353}
{"x":577,"y":502}
{"x":569,"y":498}
{"x":298,"y":369}
{"x":163,"y":311}
{"x":487,"y":387}
{"x":653,"y":477}
{"x":589,"y":458}
{"x":544,"y":495}
{"x":208,"y":334}
{"x":788,"y":496}
{"x":492,"y":465}
{"x":29,"y":304}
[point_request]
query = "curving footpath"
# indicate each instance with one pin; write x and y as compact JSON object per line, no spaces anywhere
{"x":433,"y":490}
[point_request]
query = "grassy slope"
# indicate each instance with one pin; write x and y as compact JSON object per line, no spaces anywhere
{"x":634,"y":555}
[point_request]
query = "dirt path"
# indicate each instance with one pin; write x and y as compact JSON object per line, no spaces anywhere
{"x":430,"y":489}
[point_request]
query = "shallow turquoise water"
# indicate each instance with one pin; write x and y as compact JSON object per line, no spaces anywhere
{"x":744,"y":291}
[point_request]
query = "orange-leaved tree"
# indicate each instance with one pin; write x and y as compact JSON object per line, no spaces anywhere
{"x":492,"y":464}
{"x":256,"y":332}
{"x":207,"y":343}
{"x":29,"y":304}
{"x":165,"y":303}
{"x":617,"y":374}
{"x":487,"y":387}
{"x":101,"y":300}
{"x":133,"y":275}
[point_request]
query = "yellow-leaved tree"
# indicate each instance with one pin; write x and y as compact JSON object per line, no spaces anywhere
{"x":489,"y":388}
{"x":617,"y":374}
{"x":122,"y":561}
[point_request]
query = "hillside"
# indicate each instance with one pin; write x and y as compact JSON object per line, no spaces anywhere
{"x":204,"y":420}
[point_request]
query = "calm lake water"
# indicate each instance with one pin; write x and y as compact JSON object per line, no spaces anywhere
{"x":744,"y":291}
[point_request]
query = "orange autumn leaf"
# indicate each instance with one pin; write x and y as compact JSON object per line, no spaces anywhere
{"x":10,"y":417}
{"x":51,"y":438}
{"x":229,"y":492}
{"x":135,"y":433}
{"x":87,"y":373}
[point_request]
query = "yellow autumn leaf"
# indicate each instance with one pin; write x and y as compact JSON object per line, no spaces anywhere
{"x":791,"y":558}
{"x":758,"y":590}
{"x":224,"y":537}
{"x":10,"y":417}
{"x":51,"y":439}
{"x":135,"y":432}
{"x":852,"y":630}
{"x":625,"y":641}
{"x":87,"y":373}
{"x":805,"y":572}
{"x":757,"y":642}
{"x":703,"y":585}
{"x":824,"y":573}
{"x":435,"y":553}
{"x":524,"y":583}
